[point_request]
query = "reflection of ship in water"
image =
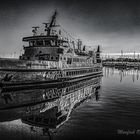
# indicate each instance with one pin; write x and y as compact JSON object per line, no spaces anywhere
{"x":36,"y":101}
{"x":55,"y":113}
{"x":12,"y":99}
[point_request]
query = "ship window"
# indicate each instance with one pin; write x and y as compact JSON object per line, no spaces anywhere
{"x":37,"y":119}
{"x":30,"y":118}
{"x":32,"y":43}
{"x":67,"y":73}
{"x":60,"y":51}
{"x":47,"y":56}
{"x":46,"y":120}
{"x":52,"y":58}
{"x":53,"y":43}
{"x":69,"y":60}
{"x":47,"y":43}
{"x":39,"y":43}
{"x":41,"y":58}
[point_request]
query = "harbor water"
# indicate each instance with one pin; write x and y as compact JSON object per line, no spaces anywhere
{"x":113,"y":113}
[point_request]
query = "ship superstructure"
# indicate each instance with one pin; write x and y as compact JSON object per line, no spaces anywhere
{"x":50,"y":56}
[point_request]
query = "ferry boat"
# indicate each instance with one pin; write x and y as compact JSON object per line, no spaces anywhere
{"x":49,"y":58}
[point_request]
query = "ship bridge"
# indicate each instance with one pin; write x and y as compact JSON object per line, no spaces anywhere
{"x":39,"y":37}
{"x":41,"y":41}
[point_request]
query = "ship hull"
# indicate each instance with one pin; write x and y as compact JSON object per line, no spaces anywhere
{"x":15,"y":75}
{"x":42,"y":94}
{"x":49,"y":83}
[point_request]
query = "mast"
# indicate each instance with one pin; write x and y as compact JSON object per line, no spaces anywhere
{"x":52,"y":23}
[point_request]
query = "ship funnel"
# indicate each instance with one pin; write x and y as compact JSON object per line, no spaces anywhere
{"x":98,"y":49}
{"x":98,"y":54}
{"x":84,"y":48}
{"x":79,"y":44}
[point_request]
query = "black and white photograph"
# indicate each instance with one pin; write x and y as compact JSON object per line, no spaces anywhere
{"x":69,"y":69}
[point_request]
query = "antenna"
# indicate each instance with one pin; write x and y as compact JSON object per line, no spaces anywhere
{"x":46,"y":26}
{"x":35,"y":28}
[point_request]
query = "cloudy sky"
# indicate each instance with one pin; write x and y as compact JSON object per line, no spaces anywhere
{"x":114,"y":24}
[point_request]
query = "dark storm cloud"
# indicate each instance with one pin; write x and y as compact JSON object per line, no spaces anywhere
{"x":105,"y":15}
{"x":108,"y":15}
{"x":113,"y":23}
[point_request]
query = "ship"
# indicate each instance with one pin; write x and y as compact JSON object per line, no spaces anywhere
{"x":49,"y":59}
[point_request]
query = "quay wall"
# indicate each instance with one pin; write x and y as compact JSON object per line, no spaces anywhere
{"x":122,"y":64}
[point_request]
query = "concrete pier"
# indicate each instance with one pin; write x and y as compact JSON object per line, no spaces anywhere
{"x":135,"y":65}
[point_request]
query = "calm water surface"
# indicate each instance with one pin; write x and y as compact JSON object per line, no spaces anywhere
{"x":117,"y":112}
{"x":117,"y":109}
